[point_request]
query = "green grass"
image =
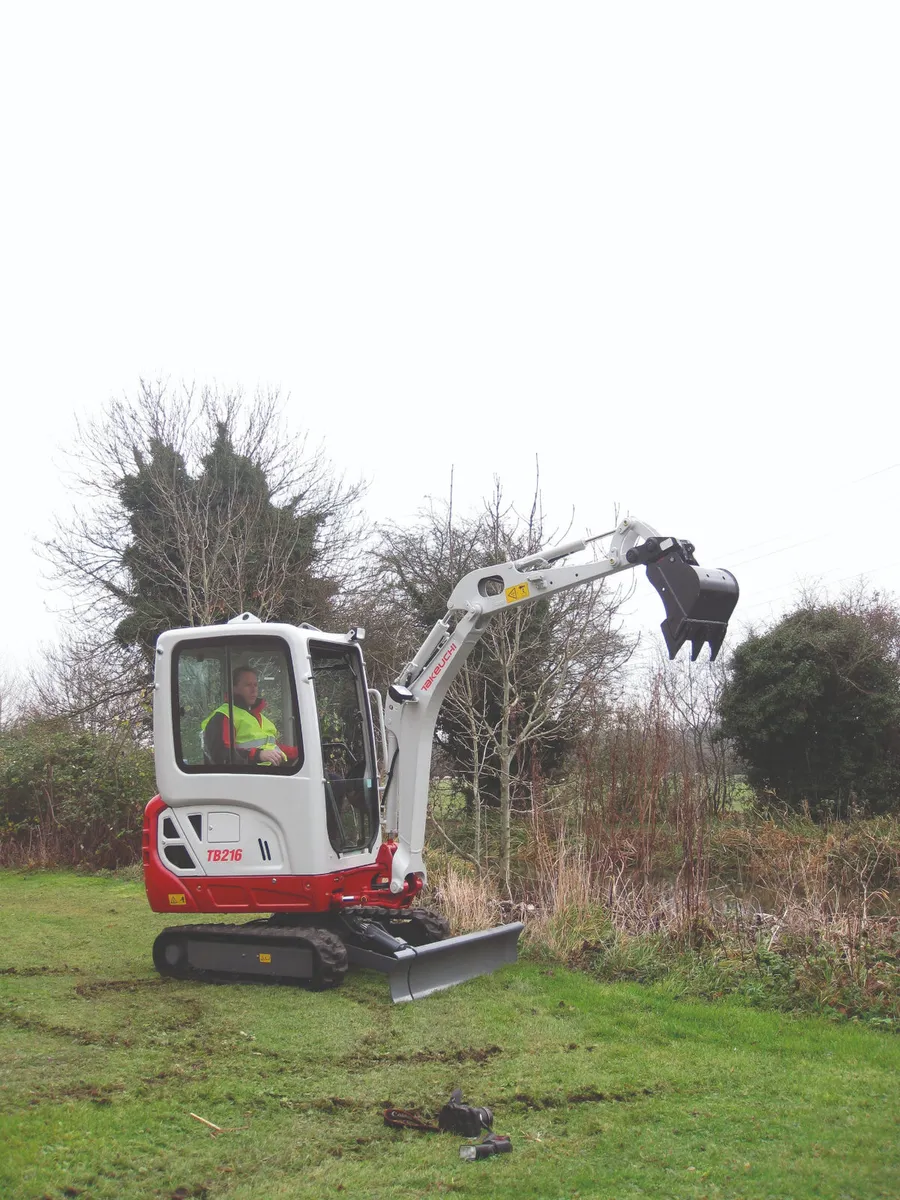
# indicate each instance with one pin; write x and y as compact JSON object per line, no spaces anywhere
{"x":606,"y":1090}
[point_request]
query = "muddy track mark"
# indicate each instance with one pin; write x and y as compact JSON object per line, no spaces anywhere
{"x":88,"y":990}
{"x":97,"y":1093}
{"x":588,"y":1096}
{"x":29,"y":972}
{"x":84,"y":1037}
{"x":465,"y":1054}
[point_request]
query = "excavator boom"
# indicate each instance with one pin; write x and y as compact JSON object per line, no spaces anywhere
{"x":698,"y":602}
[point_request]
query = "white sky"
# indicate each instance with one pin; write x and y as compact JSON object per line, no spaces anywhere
{"x":656,"y":244}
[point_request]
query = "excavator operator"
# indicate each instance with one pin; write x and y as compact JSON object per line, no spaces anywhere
{"x":247,"y":736}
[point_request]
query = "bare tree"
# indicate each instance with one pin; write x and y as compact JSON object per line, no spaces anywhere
{"x":12,"y":696}
{"x":692,"y":691}
{"x":519,"y":699}
{"x":197,"y":506}
{"x":91,"y":686}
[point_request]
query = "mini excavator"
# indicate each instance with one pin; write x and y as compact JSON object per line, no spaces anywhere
{"x":275,"y":806}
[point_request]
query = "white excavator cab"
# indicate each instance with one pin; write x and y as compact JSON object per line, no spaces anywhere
{"x":265,"y":731}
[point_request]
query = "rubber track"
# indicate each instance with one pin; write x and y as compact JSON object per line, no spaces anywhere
{"x":328,"y":949}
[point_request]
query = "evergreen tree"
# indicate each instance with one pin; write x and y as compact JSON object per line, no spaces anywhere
{"x":813,"y":707}
{"x":204,"y":507}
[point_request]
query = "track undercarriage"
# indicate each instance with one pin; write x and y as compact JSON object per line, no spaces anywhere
{"x":411,"y":946}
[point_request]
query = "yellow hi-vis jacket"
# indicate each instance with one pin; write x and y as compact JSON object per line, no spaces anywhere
{"x":248,"y":731}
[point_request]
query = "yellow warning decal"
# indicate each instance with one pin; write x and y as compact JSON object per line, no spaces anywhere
{"x":176,"y":898}
{"x":265,"y":958}
{"x":518,"y":591}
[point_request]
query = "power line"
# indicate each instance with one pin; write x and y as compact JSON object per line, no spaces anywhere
{"x":834,"y":582}
{"x":880,"y":471}
{"x":870,"y":571}
{"x":782,"y":549}
{"x":767,"y":541}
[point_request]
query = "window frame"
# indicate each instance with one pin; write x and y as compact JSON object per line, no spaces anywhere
{"x":234,"y":645}
{"x":349,"y":648}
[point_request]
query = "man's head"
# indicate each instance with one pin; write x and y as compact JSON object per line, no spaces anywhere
{"x":245,"y":686}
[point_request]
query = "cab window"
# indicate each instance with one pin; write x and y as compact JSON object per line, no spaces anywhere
{"x":235,"y":707}
{"x":348,"y":756}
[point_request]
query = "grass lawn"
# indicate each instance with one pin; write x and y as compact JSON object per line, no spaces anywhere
{"x":606,"y":1091}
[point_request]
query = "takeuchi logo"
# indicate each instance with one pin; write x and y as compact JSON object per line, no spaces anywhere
{"x":439,"y":666}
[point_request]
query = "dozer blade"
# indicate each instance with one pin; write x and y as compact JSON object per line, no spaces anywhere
{"x":699,"y":601}
{"x":417,"y":971}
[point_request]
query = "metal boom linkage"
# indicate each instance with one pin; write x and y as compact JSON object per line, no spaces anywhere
{"x":698,"y":603}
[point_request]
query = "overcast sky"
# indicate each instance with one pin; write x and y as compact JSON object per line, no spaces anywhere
{"x":657,"y":245}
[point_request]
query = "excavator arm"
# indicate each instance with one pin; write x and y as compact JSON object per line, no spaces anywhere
{"x":698,"y":602}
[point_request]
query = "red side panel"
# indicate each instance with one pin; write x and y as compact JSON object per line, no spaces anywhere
{"x":165,"y":891}
{"x":168,"y":892}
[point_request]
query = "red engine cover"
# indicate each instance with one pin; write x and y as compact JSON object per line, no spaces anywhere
{"x":168,"y":892}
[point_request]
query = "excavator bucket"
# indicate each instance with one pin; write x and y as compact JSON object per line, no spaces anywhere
{"x":699,"y":600}
{"x":417,"y":971}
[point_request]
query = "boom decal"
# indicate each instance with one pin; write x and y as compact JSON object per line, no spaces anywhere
{"x":445,"y":659}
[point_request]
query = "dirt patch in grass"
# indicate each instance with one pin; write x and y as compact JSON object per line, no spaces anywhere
{"x":98,"y":1093}
{"x":25,"y":972}
{"x":89,"y":990}
{"x":588,"y":1096}
{"x":84,"y":1037}
{"x":196,"y":1072}
{"x":466,"y":1054}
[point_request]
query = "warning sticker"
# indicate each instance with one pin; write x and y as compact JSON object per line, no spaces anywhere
{"x":265,"y":958}
{"x":177,"y":898}
{"x":518,"y":591}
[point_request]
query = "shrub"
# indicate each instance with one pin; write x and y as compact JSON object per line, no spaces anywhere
{"x":813,"y":707}
{"x":69,"y":796}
